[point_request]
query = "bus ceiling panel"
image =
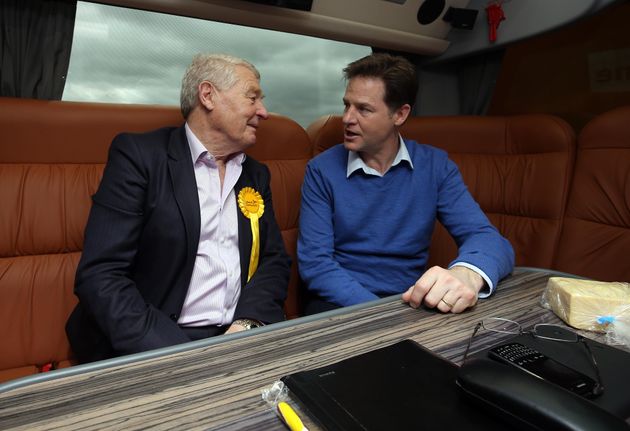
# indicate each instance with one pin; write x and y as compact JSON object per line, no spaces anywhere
{"x":389,"y":24}
{"x":523,"y":19}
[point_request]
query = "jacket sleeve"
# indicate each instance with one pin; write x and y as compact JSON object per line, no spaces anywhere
{"x":320,"y":271}
{"x":103,"y":280}
{"x":263,"y":296}
{"x":480,"y":243}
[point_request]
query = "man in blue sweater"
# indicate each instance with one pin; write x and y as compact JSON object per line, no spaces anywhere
{"x":369,"y":206}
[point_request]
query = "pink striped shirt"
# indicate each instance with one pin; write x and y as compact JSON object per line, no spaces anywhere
{"x":215,"y":285}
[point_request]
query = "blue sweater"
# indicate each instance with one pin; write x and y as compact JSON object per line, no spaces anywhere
{"x":364,"y":236}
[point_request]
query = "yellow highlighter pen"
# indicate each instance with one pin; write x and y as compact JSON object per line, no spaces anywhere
{"x":290,"y":418}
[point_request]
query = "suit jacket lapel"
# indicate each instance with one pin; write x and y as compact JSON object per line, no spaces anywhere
{"x":185,"y":188}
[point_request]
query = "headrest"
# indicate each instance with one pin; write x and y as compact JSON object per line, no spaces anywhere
{"x":608,"y":130}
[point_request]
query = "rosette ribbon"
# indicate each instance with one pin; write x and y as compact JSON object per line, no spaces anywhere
{"x":252,"y":206}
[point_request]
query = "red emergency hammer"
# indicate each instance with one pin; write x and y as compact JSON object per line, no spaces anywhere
{"x":495,"y":16}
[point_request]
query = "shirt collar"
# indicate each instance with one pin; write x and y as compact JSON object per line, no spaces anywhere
{"x":198,"y":151}
{"x":355,"y":162}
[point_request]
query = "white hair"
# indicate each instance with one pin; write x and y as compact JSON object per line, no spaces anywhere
{"x":218,"y":69}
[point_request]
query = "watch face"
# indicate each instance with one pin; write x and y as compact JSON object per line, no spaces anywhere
{"x":252,"y":324}
{"x":247,"y":323}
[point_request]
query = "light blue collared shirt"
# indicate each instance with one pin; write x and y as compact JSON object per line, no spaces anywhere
{"x":355,"y":163}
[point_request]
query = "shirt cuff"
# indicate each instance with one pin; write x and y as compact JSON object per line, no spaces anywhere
{"x":485,"y":291}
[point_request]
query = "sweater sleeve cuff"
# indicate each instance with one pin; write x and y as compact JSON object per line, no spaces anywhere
{"x":488,"y":288}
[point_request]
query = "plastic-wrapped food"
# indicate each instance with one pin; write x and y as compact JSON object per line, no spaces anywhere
{"x":591,"y":305}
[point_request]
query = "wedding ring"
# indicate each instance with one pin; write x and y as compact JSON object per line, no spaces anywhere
{"x":450,"y":305}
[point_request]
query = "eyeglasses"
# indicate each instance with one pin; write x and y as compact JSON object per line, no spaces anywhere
{"x":544,"y":331}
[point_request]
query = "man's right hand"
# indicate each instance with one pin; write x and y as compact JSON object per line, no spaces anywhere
{"x":449,"y":290}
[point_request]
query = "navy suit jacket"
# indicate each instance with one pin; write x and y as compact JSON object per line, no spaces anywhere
{"x":140,"y":247}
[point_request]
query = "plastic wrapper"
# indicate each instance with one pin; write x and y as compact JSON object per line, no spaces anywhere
{"x":277,"y":398}
{"x":591,"y":305}
{"x":275,"y":393}
{"x":618,"y":329}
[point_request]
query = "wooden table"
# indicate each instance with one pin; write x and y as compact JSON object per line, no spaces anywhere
{"x":216,"y":383}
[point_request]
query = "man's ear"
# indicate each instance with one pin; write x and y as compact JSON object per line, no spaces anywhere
{"x":401,"y":114}
{"x":207,"y":93}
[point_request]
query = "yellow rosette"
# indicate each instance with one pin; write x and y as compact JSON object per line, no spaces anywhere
{"x":252,"y":206}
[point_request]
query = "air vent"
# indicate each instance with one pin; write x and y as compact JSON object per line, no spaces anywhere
{"x":290,"y":4}
{"x":430,"y":10}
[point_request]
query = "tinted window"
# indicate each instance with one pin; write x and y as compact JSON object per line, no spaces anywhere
{"x":132,"y":56}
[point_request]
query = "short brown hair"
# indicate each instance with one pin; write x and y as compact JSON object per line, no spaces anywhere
{"x":397,"y":73}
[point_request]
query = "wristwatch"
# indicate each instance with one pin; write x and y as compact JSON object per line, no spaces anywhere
{"x":247,"y":323}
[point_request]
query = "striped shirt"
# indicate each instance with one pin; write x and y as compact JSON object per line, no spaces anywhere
{"x":215,"y":285}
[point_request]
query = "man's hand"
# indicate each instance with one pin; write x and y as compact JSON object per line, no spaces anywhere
{"x":453,"y":290}
{"x":243,"y":325}
{"x":235,"y":327}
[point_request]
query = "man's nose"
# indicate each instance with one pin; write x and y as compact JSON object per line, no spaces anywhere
{"x":348,"y":116}
{"x":261,"y":112}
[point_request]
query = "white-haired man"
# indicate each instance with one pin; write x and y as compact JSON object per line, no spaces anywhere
{"x":181,"y":242}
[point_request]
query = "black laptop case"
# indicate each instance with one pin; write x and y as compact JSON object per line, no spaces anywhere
{"x":402,"y":386}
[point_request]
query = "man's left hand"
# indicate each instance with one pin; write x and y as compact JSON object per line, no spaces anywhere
{"x":235,"y":327}
{"x":243,"y":325}
{"x":449,"y":290}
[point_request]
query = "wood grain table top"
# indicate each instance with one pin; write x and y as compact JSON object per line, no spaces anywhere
{"x":217,"y":383}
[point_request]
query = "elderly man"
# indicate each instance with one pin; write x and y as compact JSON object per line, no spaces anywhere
{"x":369,"y":206}
{"x":181,"y":241}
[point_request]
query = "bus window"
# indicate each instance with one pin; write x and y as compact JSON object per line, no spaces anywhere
{"x":125,"y":55}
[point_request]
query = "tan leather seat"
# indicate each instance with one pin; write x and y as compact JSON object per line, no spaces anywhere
{"x":595,"y":239}
{"x":517,"y":168}
{"x":51,"y":159}
{"x":283,"y":145}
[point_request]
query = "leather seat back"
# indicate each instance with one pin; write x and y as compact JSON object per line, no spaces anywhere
{"x":517,"y":168}
{"x":52,"y":156}
{"x":595,"y":239}
{"x":283,"y":145}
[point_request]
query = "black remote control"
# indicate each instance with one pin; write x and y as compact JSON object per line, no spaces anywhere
{"x":543,"y":367}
